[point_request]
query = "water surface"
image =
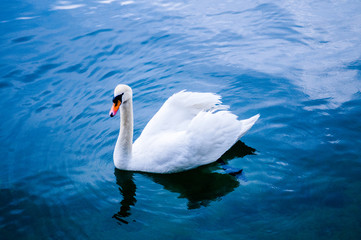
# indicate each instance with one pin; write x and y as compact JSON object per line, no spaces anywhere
{"x":296,"y":63}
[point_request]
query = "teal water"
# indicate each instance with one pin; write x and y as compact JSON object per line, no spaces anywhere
{"x":296,"y":63}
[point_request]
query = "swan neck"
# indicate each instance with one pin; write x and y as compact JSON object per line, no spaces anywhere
{"x":123,"y":148}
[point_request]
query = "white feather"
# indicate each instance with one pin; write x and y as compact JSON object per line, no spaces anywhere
{"x":190,"y":129}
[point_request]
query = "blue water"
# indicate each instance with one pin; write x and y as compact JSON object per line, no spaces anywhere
{"x":297,"y":63}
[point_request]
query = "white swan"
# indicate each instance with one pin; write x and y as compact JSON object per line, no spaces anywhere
{"x":190,"y":129}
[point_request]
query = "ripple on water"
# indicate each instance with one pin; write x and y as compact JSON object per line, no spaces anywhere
{"x":94,"y":33}
{"x":39,"y":72}
{"x":5,"y":84}
{"x":23,"y":39}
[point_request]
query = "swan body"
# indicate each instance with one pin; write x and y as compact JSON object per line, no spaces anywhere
{"x":190,"y":129}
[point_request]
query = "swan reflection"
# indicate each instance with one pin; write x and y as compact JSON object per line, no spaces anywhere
{"x":127,"y":189}
{"x":199,"y":186}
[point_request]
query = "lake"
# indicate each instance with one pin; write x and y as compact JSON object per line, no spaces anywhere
{"x":297,"y":63}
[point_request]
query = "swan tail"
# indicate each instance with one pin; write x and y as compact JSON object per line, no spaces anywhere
{"x":247,"y":124}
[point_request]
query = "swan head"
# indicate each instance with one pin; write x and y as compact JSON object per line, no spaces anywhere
{"x":122,"y":94}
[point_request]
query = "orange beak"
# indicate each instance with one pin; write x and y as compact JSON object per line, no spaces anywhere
{"x":114,"y":109}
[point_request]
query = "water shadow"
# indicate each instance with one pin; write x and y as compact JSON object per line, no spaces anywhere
{"x":199,"y":186}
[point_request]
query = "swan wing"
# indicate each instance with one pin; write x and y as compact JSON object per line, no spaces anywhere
{"x":179,"y":110}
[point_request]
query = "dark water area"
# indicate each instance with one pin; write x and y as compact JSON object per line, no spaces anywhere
{"x":298,"y":64}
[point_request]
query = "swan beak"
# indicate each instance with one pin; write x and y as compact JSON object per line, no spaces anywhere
{"x":114,"y":109}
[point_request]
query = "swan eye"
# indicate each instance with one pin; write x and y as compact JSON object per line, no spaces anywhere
{"x":118,"y":98}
